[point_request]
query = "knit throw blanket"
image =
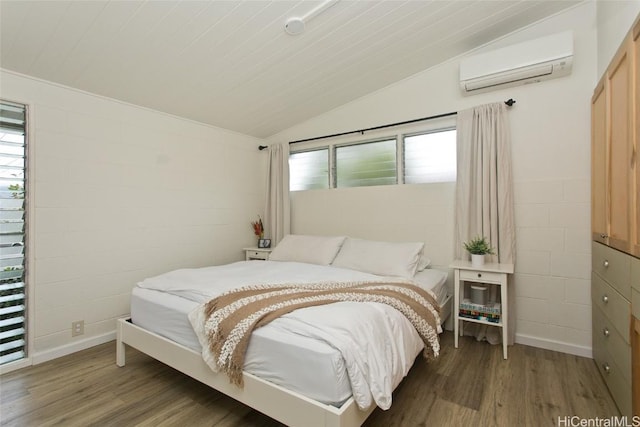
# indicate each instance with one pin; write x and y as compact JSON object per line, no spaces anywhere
{"x":231,"y":317}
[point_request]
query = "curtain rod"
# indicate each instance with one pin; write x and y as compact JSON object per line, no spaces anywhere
{"x":509,"y":103}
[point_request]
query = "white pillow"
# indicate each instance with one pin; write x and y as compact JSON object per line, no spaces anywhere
{"x":381,"y":258}
{"x":423,"y":263}
{"x":319,"y":250}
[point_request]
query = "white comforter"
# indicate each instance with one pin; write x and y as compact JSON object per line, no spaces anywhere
{"x":376,"y":341}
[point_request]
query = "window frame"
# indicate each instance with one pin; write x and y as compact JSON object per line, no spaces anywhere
{"x":307,"y":150}
{"x":411,"y":134}
{"x":398,"y":133}
{"x":29,"y":239}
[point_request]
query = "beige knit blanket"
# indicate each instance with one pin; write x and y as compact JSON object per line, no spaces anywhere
{"x":231,"y":317}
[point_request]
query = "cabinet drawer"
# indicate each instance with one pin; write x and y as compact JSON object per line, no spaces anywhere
{"x":481,"y":276}
{"x":620,"y":389}
{"x":614,"y":307}
{"x":635,"y":273}
{"x":635,"y":303}
{"x":607,"y":338}
{"x":613,"y":266}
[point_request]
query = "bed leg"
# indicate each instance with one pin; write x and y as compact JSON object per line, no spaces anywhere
{"x":120,"y":350}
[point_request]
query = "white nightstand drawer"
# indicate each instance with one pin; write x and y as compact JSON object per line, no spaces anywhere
{"x":481,"y":276}
{"x":260,"y":254}
{"x":257,"y":255}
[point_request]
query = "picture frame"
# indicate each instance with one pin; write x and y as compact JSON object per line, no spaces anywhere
{"x":264,"y":243}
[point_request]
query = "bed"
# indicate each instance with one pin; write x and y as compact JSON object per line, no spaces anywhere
{"x":281,"y":365}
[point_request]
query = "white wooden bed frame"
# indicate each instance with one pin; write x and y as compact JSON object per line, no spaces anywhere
{"x":288,"y":407}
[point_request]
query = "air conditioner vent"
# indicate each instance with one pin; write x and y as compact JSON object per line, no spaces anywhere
{"x":529,"y":62}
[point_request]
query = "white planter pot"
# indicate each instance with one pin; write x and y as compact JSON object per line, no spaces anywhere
{"x":477,"y":260}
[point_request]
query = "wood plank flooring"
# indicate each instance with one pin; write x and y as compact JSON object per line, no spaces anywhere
{"x":470,"y":386}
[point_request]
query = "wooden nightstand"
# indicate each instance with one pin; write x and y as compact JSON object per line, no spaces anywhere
{"x":260,"y":254}
{"x":494,"y":274}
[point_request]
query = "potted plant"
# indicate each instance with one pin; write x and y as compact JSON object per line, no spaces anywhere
{"x":478,"y":247}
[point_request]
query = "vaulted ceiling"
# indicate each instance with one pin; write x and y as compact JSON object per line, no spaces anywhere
{"x":231,"y":64}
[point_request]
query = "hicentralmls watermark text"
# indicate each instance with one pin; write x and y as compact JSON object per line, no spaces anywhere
{"x":575,"y":421}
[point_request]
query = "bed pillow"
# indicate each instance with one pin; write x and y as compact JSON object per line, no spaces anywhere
{"x":381,"y":258}
{"x":423,"y":263}
{"x":319,"y":250}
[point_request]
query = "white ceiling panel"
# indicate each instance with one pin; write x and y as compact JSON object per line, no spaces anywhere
{"x":231,"y":64}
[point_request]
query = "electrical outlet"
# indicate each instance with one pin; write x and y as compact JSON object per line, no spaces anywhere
{"x":77,"y":328}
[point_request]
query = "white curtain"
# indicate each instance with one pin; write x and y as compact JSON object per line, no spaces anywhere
{"x":277,"y":207}
{"x":484,"y":193}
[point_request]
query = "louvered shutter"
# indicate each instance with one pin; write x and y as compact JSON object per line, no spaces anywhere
{"x":12,"y":232}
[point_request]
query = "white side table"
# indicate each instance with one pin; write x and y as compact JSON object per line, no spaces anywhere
{"x":261,"y":254}
{"x":495,"y":274}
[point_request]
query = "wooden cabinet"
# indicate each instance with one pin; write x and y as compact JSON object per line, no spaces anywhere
{"x":615,"y":223}
{"x":620,"y":147}
{"x":614,"y":130}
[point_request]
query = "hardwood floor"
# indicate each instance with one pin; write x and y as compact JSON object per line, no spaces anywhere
{"x":470,"y":386}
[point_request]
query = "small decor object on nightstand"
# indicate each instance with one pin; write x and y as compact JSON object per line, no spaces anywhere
{"x":264,"y":243}
{"x":258,"y":230}
{"x":478,"y":247}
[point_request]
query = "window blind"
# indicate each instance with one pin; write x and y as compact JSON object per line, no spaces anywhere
{"x":430,"y":157}
{"x":309,"y":170}
{"x":12,"y":232}
{"x":365,"y":164}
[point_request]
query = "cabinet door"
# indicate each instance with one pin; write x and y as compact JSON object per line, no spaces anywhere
{"x":599,"y":211}
{"x":620,"y":148}
{"x":635,"y":229}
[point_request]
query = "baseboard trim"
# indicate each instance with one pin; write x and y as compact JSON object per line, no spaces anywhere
{"x":76,"y":346}
{"x":547,"y":344}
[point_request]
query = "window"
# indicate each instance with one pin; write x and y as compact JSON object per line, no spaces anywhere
{"x":430,"y":157}
{"x":12,"y":234}
{"x":371,"y":163}
{"x":309,"y":170}
{"x":423,"y":156}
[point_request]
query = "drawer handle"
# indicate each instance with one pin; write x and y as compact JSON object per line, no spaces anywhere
{"x":605,"y":332}
{"x":605,"y":299}
{"x":479,"y":274}
{"x":605,"y":264}
{"x":603,"y":236}
{"x":606,"y":368}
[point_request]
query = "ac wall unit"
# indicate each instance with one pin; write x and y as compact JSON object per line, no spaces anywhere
{"x":529,"y":62}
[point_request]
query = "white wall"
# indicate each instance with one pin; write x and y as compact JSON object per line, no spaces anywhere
{"x":614,"y":20}
{"x":551,"y":162}
{"x":121,"y":193}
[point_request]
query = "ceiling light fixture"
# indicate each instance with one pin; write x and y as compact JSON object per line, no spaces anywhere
{"x":296,"y":25}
